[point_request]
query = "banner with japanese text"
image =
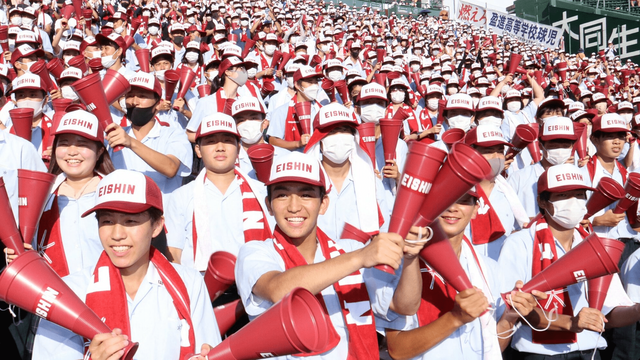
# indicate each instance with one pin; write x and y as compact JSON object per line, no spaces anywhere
{"x":528,"y":31}
{"x":472,"y":14}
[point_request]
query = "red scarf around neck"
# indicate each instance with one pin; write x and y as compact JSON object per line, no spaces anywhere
{"x":486,"y":227}
{"x":50,"y":245}
{"x":253,"y":230}
{"x":111,"y":304}
{"x":363,"y":341}
{"x":544,"y":254}
{"x":591,"y":166}
{"x":265,"y":65}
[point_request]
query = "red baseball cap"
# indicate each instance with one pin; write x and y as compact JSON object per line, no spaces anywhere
{"x":81,"y":122}
{"x":298,"y":167}
{"x":563,"y":177}
{"x":485,"y":136}
{"x":126,"y":191}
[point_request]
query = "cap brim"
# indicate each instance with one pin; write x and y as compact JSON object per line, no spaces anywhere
{"x":493,"y":143}
{"x":119,"y":206}
{"x":573,"y":137}
{"x":570,"y":187}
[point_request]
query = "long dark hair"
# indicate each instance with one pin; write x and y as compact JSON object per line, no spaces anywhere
{"x":217,"y":83}
{"x":103,"y":166}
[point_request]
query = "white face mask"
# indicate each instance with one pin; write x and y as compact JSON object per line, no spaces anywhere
{"x":159,"y":74}
{"x":250,"y":131}
{"x":324,"y":48}
{"x":108,"y":61}
{"x":415,"y":68}
{"x":154,"y":30}
{"x":427,"y":73}
{"x":446,"y":76}
{"x":119,"y":30}
{"x":490,"y":120}
{"x":627,"y":117}
{"x":452,"y":90}
{"x":569,"y":212}
{"x":432,"y":104}
{"x":491,"y":77}
{"x":191,"y":20}
{"x":435,"y":52}
{"x":28,"y":65}
{"x":335,"y":75}
{"x":269,"y":49}
{"x":31,"y":104}
{"x":337,"y":148}
{"x":66,"y":59}
{"x":397,"y":97}
{"x":514,"y":106}
{"x":191,"y":57}
{"x":251,"y":73}
{"x":311,"y":92}
{"x":96,"y":54}
{"x":460,"y":122}
{"x":290,"y":82}
{"x":556,"y":156}
{"x":68,"y":93}
{"x":12,"y":44}
{"x":27,"y":23}
{"x":371,"y":113}
{"x":212,"y":74}
{"x":244,"y":23}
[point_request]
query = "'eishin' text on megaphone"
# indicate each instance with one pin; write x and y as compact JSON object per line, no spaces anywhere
{"x":29,"y":283}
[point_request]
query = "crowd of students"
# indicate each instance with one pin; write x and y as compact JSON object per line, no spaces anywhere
{"x":313,"y":81}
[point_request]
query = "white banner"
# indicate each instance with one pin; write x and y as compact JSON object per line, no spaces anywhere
{"x":524,"y":30}
{"x":472,"y":14}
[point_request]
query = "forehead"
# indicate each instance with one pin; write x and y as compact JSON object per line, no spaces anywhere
{"x":293,"y":187}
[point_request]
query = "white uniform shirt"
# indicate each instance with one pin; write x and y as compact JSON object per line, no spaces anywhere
{"x":259,"y":257}
{"x":152,"y":315}
{"x":225,"y":212}
{"x":525,"y":183}
{"x":390,"y":184}
{"x":515,"y":264}
{"x":165,"y":140}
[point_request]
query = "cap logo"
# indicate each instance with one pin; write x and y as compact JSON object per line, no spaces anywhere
{"x":336,"y":113}
{"x":218,"y":123}
{"x":615,"y":123}
{"x":241,"y":105}
{"x":77,"y":123}
{"x":139,"y":79}
{"x":559,"y":129}
{"x":294,"y":166}
{"x":489,"y":135}
{"x":569,"y":177}
{"x":127,"y":189}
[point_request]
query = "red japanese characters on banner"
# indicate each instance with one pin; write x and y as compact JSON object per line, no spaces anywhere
{"x":473,"y":14}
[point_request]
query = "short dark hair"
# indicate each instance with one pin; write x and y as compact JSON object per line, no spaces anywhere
{"x":323,"y":192}
{"x":545,"y":195}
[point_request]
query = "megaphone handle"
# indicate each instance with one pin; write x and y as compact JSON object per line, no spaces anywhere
{"x":117,"y":147}
{"x":130,"y":351}
{"x":386,"y":268}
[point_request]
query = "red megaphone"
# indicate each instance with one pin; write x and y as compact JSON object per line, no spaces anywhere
{"x":597,"y":290}
{"x":275,"y":60}
{"x":203,"y":90}
{"x":514,"y":61}
{"x":115,"y":85}
{"x":416,"y":183}
{"x":343,"y":91}
{"x":562,"y":70}
{"x":267,"y":88}
{"x":442,"y":104}
{"x":261,"y":157}
{"x":283,"y":62}
{"x":40,"y":68}
{"x":523,"y":136}
{"x":632,"y":193}
{"x":95,"y":65}
{"x":494,"y":39}
{"x":315,"y":60}
{"x":296,"y":324}
{"x":78,"y":62}
{"x":187,"y":76}
{"x":228,"y":314}
{"x":367,"y":132}
{"x":171,"y":78}
{"x":9,"y":234}
{"x":534,"y":146}
{"x":34,"y":188}
{"x":381,"y":79}
{"x":228,"y":106}
{"x":328,"y":87}
{"x":4,"y":37}
{"x":143,"y":59}
{"x":440,"y":256}
{"x":303,"y":111}
{"x":248,"y":45}
{"x":452,"y":136}
{"x":28,"y":282}
{"x":607,"y":192}
{"x":592,"y":258}
{"x":580,"y":146}
{"x":128,"y":41}
{"x":22,"y":119}
{"x":380,"y":52}
{"x":135,"y":24}
{"x":351,"y":232}
{"x":464,"y":168}
{"x":219,"y":275}
{"x":55,"y":67}
{"x":476,"y":40}
{"x":92,"y":94}
{"x":77,"y":6}
{"x":390,"y":131}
